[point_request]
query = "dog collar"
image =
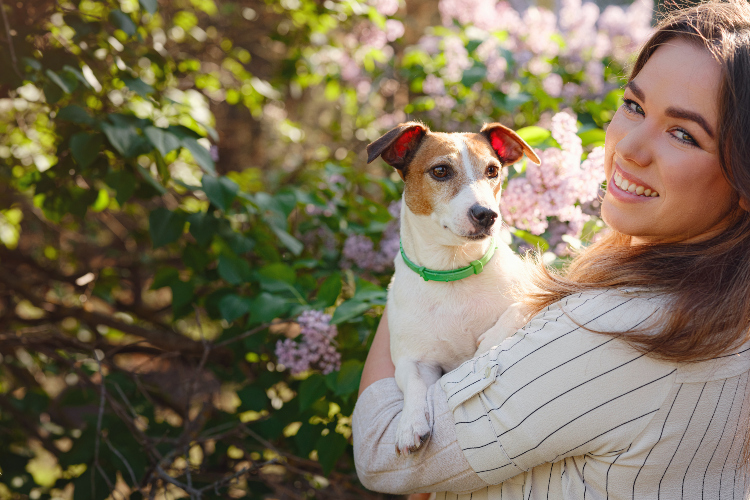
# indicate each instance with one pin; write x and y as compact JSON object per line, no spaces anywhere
{"x":474,"y":267}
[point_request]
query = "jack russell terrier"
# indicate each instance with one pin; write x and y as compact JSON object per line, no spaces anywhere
{"x":452,"y":275}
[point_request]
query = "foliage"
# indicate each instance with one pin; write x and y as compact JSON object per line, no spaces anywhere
{"x":145,"y":285}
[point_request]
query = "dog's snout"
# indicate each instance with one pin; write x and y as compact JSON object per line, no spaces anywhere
{"x":482,"y":216}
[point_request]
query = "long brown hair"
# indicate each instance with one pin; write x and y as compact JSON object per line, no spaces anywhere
{"x":708,"y":282}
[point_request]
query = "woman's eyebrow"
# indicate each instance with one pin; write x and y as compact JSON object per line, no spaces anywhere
{"x":673,"y":112}
{"x":635,"y":89}
{"x":692,"y":116}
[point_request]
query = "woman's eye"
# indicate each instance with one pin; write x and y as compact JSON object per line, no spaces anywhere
{"x":683,"y":136}
{"x":493,"y":171}
{"x":632,"y":107}
{"x":440,"y":172}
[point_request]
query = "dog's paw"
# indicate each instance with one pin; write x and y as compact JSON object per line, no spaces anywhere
{"x":411,"y":433}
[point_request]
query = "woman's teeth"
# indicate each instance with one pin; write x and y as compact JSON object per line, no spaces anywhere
{"x":632,"y":187}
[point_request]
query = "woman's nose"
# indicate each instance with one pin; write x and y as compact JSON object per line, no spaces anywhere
{"x":635,"y":145}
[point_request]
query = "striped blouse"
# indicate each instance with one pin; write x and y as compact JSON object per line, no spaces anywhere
{"x":559,"y":412}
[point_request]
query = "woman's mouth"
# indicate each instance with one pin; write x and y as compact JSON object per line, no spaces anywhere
{"x":633,"y":187}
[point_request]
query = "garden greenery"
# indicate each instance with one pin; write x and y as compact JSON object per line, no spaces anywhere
{"x":174,"y":323}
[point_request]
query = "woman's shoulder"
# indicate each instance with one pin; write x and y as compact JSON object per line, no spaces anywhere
{"x":606,"y":310}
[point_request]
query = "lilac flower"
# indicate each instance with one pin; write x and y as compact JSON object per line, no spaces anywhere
{"x":432,"y":85}
{"x":553,"y":84}
{"x":385,"y":7}
{"x":360,"y":250}
{"x":316,"y":350}
{"x":394,"y":29}
{"x":558,"y":186}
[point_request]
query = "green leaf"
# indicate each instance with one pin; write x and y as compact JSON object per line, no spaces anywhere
{"x":202,"y":155}
{"x":330,"y":447}
{"x":233,"y":306}
{"x":531,"y":239}
{"x":123,"y":182}
{"x":182,"y":294}
{"x":76,"y":73}
{"x":368,"y":291}
{"x":149,"y":5}
{"x":75,"y":114}
{"x":85,"y":147}
{"x":279,"y":271}
{"x":138,"y":86}
{"x":220,"y":190}
{"x":125,"y":139}
{"x":252,"y":398}
{"x":266,"y":307}
{"x":329,"y":290}
{"x":534,"y":135}
{"x":348,"y":310}
{"x":122,"y":21}
{"x":150,"y":179}
{"x":164,"y":141}
{"x":67,"y":83}
{"x":233,"y":269}
{"x":347,"y":381}
{"x":594,"y":137}
{"x":165,"y":226}
{"x":202,"y":227}
{"x":476,"y":73}
{"x":310,"y":390}
{"x":165,"y":277}
{"x":293,"y":244}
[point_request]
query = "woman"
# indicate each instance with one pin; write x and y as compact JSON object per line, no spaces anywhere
{"x":632,"y":379}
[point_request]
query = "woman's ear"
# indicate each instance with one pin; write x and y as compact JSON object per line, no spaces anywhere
{"x":744,"y":204}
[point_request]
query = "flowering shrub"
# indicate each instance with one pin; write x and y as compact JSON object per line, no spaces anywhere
{"x":182,"y":181}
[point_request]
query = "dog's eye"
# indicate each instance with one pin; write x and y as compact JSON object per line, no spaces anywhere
{"x":441,"y":172}
{"x":493,"y":171}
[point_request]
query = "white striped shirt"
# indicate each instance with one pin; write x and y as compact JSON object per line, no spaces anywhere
{"x":557,"y":411}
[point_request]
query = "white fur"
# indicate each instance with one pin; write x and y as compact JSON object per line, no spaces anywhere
{"x":435,"y":326}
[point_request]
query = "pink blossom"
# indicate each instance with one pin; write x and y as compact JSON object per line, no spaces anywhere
{"x":553,"y":84}
{"x":385,"y":7}
{"x":316,"y":349}
{"x":432,"y":85}
{"x":394,"y":29}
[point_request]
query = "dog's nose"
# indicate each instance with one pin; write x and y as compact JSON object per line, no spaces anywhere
{"x":482,"y":216}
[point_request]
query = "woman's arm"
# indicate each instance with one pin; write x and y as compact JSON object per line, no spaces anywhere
{"x":378,"y":364}
{"x":439,"y":465}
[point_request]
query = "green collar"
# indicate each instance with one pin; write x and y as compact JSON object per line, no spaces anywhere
{"x":475,"y":267}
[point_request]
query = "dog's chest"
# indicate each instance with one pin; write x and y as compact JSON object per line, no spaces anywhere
{"x":439,"y":323}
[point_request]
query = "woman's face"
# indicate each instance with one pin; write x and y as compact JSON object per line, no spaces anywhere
{"x":664,"y":182}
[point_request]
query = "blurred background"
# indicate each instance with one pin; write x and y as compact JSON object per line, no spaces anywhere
{"x":194,"y":252}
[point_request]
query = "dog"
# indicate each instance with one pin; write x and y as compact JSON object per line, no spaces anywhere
{"x":452,"y":277}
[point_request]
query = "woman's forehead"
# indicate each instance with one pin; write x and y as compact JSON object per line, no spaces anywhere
{"x":680,"y":74}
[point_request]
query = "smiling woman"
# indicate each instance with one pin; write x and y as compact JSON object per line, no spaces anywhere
{"x":631,"y":378}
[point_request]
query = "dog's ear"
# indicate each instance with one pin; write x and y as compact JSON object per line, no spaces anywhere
{"x":397,"y":146}
{"x":508,"y":145}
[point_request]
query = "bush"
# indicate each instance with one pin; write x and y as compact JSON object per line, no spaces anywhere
{"x":173,"y":322}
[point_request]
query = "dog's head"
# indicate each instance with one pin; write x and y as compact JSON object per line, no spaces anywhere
{"x":453,"y":179}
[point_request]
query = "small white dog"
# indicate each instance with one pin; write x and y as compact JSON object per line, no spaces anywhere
{"x":452,"y":276}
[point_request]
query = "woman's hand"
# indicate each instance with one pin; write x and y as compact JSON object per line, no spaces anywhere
{"x":378,"y":364}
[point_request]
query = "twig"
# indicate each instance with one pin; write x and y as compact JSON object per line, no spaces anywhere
{"x":102,"y":397}
{"x":218,"y":484}
{"x":121,"y":457}
{"x":252,"y":331}
{"x":166,"y":477}
{"x":10,"y":41}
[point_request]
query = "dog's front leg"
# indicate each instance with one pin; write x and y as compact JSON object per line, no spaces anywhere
{"x":413,"y":378}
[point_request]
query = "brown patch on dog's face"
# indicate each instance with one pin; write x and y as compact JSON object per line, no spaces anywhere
{"x":444,"y":165}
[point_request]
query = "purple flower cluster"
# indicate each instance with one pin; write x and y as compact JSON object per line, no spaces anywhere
{"x":580,"y":36}
{"x":316,"y":350}
{"x":558,"y":186}
{"x":360,"y":250}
